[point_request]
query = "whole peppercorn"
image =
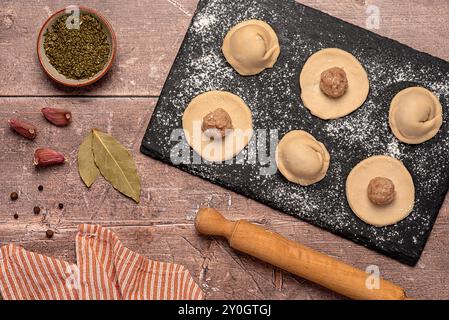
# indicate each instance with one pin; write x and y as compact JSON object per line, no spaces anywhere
{"x":49,"y":234}
{"x":40,"y":188}
{"x":16,"y":216}
{"x":61,"y":206}
{"x":36,"y":210}
{"x":14,"y":196}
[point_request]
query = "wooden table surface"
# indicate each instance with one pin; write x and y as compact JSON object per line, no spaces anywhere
{"x":161,"y":227}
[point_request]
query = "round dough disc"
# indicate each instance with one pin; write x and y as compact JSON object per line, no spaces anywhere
{"x":320,"y":104}
{"x":301,"y":158}
{"x":251,"y":46}
{"x":357,"y":194}
{"x":416,"y":115}
{"x":218,"y":150}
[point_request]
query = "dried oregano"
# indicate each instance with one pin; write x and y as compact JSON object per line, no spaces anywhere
{"x":77,"y":53}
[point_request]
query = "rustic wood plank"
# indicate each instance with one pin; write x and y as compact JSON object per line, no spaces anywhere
{"x":150,"y":33}
{"x":161,"y":226}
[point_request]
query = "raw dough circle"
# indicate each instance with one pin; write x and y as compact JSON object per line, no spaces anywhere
{"x":416,"y":115}
{"x":218,"y":150}
{"x":357,"y":194}
{"x":301,"y":158}
{"x":319,"y":103}
{"x":251,"y":46}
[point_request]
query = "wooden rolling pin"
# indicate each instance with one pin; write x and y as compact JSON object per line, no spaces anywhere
{"x":294,"y":257}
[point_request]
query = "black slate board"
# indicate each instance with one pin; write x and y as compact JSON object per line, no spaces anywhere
{"x":273,"y":97}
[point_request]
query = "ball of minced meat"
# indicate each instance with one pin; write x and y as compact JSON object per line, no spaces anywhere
{"x":381,"y":191}
{"x":334,"y":82}
{"x":217,"y":124}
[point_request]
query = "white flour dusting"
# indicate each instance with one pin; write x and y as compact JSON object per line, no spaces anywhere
{"x":273,"y":97}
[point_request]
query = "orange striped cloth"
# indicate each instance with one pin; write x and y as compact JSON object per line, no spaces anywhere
{"x":105,"y":269}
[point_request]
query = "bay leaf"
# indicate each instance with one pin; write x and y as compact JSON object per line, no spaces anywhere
{"x":116,"y":164}
{"x":86,"y":165}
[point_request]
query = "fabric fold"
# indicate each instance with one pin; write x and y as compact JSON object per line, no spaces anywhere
{"x":105,"y":270}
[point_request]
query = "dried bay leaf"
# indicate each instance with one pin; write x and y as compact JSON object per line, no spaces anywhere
{"x":86,"y":165}
{"x":116,"y":164}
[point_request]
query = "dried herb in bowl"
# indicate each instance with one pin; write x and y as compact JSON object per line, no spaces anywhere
{"x":77,"y":53}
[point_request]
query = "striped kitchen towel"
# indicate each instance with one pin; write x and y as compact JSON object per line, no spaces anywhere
{"x":105,"y":269}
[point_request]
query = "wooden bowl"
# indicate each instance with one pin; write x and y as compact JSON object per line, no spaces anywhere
{"x":52,"y":72}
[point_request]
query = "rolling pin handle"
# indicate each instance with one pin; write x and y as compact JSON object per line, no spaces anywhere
{"x":210,"y":222}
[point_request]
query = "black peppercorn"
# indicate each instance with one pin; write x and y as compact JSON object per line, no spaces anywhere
{"x":36,"y":210}
{"x":40,"y":188}
{"x":49,"y":234}
{"x":61,"y":206}
{"x":14,"y":196}
{"x":16,"y":216}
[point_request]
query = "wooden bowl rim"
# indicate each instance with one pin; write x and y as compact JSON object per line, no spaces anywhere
{"x":105,"y":69}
